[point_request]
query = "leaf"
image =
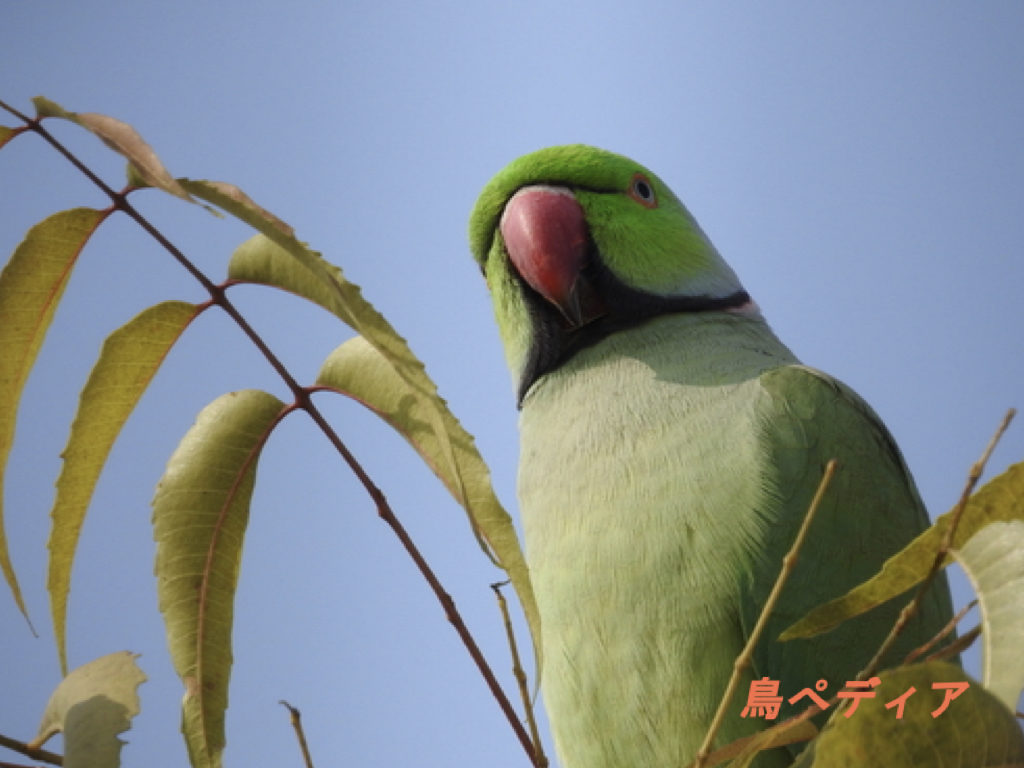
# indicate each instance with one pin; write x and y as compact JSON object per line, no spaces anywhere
{"x":294,"y":267}
{"x":1002,"y":498}
{"x":994,"y":562}
{"x":46,"y":108}
{"x":237,"y":203}
{"x":91,"y":706}
{"x":123,"y":139}
{"x":200,"y":514}
{"x":359,"y":370}
{"x":975,"y":730}
{"x":31,"y":286}
{"x":129,"y":359}
{"x":6,"y":134}
{"x":299,"y":270}
{"x":277,"y":258}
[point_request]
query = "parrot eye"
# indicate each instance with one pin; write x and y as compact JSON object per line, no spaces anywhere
{"x":641,"y":190}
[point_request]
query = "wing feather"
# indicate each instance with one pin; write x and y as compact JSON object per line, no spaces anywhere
{"x":871,"y":510}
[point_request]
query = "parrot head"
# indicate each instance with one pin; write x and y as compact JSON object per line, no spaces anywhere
{"x":577,"y":243}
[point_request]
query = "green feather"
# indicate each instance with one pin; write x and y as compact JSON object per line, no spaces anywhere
{"x":872,"y":510}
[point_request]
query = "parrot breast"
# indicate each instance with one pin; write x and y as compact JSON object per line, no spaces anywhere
{"x":636,"y":546}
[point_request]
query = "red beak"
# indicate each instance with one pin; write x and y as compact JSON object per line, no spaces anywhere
{"x":546,"y":237}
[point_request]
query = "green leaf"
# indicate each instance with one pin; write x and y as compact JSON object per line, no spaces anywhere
{"x":91,"y":706}
{"x":127,"y":363}
{"x":994,"y":562}
{"x":143,"y":162}
{"x":976,"y":730}
{"x":1000,"y":499}
{"x":359,"y":370}
{"x":31,"y":286}
{"x":200,"y":514}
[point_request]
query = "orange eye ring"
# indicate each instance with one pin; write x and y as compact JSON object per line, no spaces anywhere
{"x":641,"y":190}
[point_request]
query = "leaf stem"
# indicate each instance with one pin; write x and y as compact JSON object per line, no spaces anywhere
{"x":941,"y":635}
{"x":296,"y":718}
{"x":386,"y":514}
{"x":33,"y":752}
{"x":517,"y":670}
{"x":744,"y":659}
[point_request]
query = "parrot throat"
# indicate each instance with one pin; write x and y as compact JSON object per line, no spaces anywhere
{"x":555,"y":339}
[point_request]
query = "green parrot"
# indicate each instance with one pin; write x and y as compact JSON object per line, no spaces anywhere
{"x":670,"y":446}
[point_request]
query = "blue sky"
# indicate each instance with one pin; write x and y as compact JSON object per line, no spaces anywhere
{"x":859,"y":165}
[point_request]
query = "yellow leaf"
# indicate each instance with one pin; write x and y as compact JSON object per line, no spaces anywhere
{"x":359,"y":370}
{"x":6,"y":134}
{"x":237,"y":203}
{"x":129,"y":359}
{"x":31,"y":286}
{"x":200,"y":515}
{"x":91,"y":706}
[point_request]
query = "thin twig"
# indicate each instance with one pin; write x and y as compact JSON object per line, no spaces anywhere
{"x":910,"y":609}
{"x":973,"y":477}
{"x":296,"y":718}
{"x":33,"y":752}
{"x":219,"y":297}
{"x":29,"y":121}
{"x":776,"y":736}
{"x":941,"y":635}
{"x":743,"y":660}
{"x":447,"y":603}
{"x":962,"y":643}
{"x":218,"y":294}
{"x":520,"y":675}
